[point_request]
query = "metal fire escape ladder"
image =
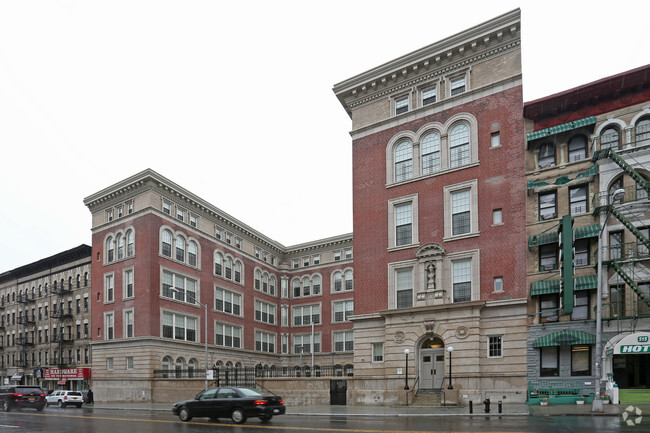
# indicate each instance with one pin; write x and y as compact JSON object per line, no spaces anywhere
{"x":627,"y":168}
{"x":630,"y":282}
{"x":628,"y":225}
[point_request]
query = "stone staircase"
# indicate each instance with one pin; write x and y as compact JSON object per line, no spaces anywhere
{"x":427,"y":398}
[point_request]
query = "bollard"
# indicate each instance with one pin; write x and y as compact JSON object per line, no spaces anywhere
{"x":471,"y":408}
{"x":486,"y":402}
{"x":500,"y":407}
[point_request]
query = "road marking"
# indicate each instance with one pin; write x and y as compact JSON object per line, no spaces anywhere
{"x":257,"y":426}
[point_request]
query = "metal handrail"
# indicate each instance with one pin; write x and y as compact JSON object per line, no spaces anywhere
{"x":412,"y":390}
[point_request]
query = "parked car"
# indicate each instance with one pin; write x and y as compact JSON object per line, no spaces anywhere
{"x":18,"y":396}
{"x":235,"y":403}
{"x":63,"y":398}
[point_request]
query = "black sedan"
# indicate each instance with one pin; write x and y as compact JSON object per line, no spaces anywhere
{"x":238,"y":404}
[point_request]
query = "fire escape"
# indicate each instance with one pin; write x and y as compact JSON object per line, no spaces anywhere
{"x":626,"y":259}
{"x":62,"y":312}
{"x":27,"y":321}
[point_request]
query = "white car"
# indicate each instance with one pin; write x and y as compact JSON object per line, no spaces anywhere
{"x":62,"y":398}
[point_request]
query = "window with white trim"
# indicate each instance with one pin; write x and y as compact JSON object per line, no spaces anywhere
{"x":184,"y":287}
{"x":403,"y":224}
{"x":264,"y":341}
{"x":178,"y":326}
{"x":401,"y":104}
{"x":227,"y":335}
{"x":109,"y":326}
{"x":302,"y":343}
{"x":167,"y":207}
{"x":459,"y":152}
{"x":457,"y":85}
{"x":109,"y":288}
{"x":460,"y":212}
{"x":495,"y":139}
{"x":495,"y":346}
{"x":377,"y":352}
{"x":498,"y":284}
{"x":403,"y":161}
{"x":127,"y":281}
{"x":128,"y":330}
{"x":265,"y":312}
{"x":343,"y":341}
{"x":228,"y":302}
{"x":461,"y":209}
{"x":404,"y":288}
{"x":430,"y":147}
{"x":429,"y":95}
{"x":462,"y":280}
{"x":343,"y":310}
{"x":306,"y":314}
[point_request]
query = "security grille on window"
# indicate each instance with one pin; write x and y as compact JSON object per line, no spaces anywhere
{"x":403,"y":224}
{"x":457,"y":86}
{"x":460,"y":212}
{"x":404,"y":288}
{"x":402,"y":105}
{"x":462,"y":285}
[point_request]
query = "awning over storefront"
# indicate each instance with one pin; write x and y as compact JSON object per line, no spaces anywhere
{"x":17,"y":376}
{"x":586,"y":282}
{"x":543,"y":238}
{"x":545,"y":287}
{"x":560,"y":128}
{"x":586,"y":231}
{"x":565,"y":337}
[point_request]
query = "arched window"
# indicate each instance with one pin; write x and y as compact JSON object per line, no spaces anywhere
{"x":642,"y":132}
{"x":617,"y":184}
{"x":180,"y":363}
{"x":167,"y":243}
{"x":306,"y":286}
{"x":459,"y":145}
{"x":192,"y":252}
{"x":272,"y":285}
{"x":258,"y":279}
{"x":167,"y":364}
{"x":338,"y":281}
{"x":641,"y":193}
{"x":317,"y":283}
{"x":431,"y":153}
{"x":120,"y":246}
{"x":403,"y":161}
{"x":191,"y":366}
{"x":610,"y":138}
{"x":180,"y":249}
{"x":85,"y":281}
{"x":130,"y":241}
{"x":296,"y":288}
{"x":349,"y":285}
{"x":238,"y":268}
{"x":218,"y":263}
{"x":265,"y":283}
{"x":111,"y":249}
{"x":78,"y":283}
{"x":229,"y":268}
{"x":70,"y":283}
{"x":577,"y":148}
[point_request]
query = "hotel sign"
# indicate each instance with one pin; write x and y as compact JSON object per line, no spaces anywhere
{"x":633,"y":344}
{"x":635,"y":349}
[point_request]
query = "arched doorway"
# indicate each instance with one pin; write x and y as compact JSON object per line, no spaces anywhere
{"x":432,"y":363}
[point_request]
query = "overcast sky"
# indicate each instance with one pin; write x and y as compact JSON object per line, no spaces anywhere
{"x":233,"y":100}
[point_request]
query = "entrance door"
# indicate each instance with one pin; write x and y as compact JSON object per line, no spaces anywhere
{"x":432,"y":368}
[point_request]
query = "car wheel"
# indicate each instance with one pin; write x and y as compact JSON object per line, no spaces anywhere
{"x":266,"y":418}
{"x":238,"y":416}
{"x":184,"y":414}
{"x":6,"y":407}
{"x":40,"y":408}
{"x":61,"y":404}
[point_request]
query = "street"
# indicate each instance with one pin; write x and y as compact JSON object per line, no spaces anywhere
{"x":90,"y":420}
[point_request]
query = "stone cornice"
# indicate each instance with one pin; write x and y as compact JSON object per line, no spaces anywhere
{"x":439,"y":58}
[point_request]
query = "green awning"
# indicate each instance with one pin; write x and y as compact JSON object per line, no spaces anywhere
{"x":586,"y":232}
{"x":542,"y":239}
{"x":532,"y":184}
{"x":586,"y":283}
{"x":565,"y":337}
{"x":545,"y":287}
{"x":593,"y":170}
{"x":560,"y":128}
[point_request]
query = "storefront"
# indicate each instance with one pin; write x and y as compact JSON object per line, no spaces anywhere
{"x":74,"y":379}
{"x":629,"y":358}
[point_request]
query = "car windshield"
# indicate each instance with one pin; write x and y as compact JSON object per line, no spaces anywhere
{"x":250,"y":392}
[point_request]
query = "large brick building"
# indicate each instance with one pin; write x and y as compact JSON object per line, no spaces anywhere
{"x":439,"y":217}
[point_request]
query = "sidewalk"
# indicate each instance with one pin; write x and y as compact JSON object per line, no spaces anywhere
{"x":514,"y":409}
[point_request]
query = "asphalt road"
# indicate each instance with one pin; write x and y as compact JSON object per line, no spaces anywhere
{"x":90,"y":420}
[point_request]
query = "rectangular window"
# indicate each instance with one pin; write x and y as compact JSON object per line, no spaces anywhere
{"x":377,"y":352}
{"x":577,"y":148}
{"x":460,"y":212}
{"x":547,"y":257}
{"x":462,"y":283}
{"x":581,"y":252}
{"x":617,"y":301}
{"x":179,"y":287}
{"x":228,"y":335}
{"x":265,"y":312}
{"x":180,"y":214}
{"x":548,"y":307}
{"x":498,"y":284}
{"x":546,"y":157}
{"x":495,"y":139}
{"x":404,"y":288}
{"x":264,"y":342}
{"x":337,"y":256}
{"x":495,"y":346}
{"x":302,"y":343}
{"x":128,"y":283}
{"x":550,"y":361}
{"x":641,"y":249}
{"x":316,"y":259}
{"x":306,"y":315}
{"x":581,"y":305}
{"x":167,"y":207}
{"x":193,"y":220}
{"x":178,"y":326}
{"x":343,"y":341}
{"x":547,"y":206}
{"x":109,"y":363}
{"x":403,"y":224}
{"x":497,"y":217}
{"x":401,"y":105}
{"x":578,"y":200}
{"x":429,"y":95}
{"x":285,"y":343}
{"x":457,"y":85}
{"x":580,"y":360}
{"x":109,"y":288}
{"x":228,"y":302}
{"x":109,"y":321}
{"x":343,"y":310}
{"x":129,"y":363}
{"x":128,"y":324}
{"x":615,"y":245}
